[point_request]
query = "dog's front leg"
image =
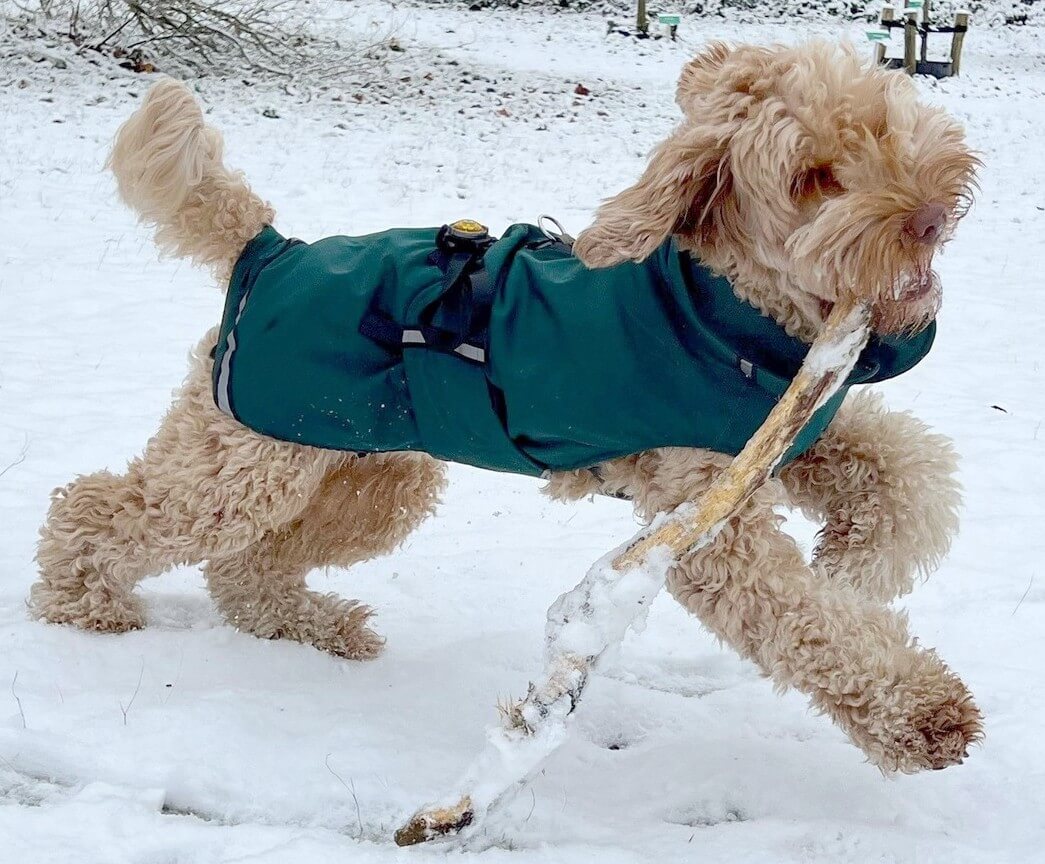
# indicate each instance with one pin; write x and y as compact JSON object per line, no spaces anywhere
{"x":851,"y":655}
{"x":885,"y":488}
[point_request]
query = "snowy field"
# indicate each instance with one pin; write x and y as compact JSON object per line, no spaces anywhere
{"x":189,"y":742}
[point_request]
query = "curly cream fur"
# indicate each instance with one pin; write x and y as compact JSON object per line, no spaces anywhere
{"x":733,"y":184}
{"x":168,"y":168}
{"x":261,"y":590}
{"x":884,"y":487}
{"x":256,"y":509}
{"x":728,"y":183}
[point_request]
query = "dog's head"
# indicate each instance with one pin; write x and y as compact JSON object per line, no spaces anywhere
{"x":805,"y":176}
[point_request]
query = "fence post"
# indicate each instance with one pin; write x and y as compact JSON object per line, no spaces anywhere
{"x":641,"y":20}
{"x":925,"y":35}
{"x":888,"y":14}
{"x":910,"y":39}
{"x":961,"y":19}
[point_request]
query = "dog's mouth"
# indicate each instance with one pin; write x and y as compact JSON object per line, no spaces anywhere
{"x":915,"y":286}
{"x":910,"y":305}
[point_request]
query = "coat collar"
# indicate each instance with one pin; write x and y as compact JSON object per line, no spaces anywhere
{"x":762,"y":341}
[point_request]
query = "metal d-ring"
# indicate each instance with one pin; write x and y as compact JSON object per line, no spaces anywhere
{"x":561,"y":237}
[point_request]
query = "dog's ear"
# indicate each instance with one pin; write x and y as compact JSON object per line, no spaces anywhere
{"x":700,"y":76}
{"x":681,"y":190}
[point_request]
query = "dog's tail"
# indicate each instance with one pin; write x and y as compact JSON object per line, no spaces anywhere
{"x":169,"y":170}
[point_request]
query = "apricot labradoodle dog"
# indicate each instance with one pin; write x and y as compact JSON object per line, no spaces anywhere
{"x":796,"y":177}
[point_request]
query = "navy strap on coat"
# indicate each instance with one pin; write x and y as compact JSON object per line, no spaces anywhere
{"x":463,"y":305}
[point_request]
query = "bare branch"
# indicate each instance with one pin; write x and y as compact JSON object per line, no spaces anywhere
{"x":21,"y":712}
{"x":215,"y":37}
{"x":351,"y":791}
{"x":20,"y":459}
{"x":1025,"y":593}
{"x":134,"y":695}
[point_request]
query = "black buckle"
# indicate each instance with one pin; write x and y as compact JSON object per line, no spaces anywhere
{"x":465,"y":236}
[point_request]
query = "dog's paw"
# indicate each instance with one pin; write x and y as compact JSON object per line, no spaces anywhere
{"x":363,"y":644}
{"x":924,"y":725}
{"x":942,"y":735}
{"x":87,"y":611}
{"x":350,"y":638}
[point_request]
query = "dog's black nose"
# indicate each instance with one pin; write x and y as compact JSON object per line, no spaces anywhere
{"x":926,"y":224}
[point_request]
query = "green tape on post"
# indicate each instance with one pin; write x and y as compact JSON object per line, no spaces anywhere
{"x":877,"y":35}
{"x":670,"y":20}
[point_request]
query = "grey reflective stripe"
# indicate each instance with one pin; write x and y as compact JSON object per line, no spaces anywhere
{"x":221,"y":391}
{"x":471,"y":352}
{"x":748,"y":368}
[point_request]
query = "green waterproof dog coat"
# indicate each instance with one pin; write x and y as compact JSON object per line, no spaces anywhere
{"x":578,"y":366}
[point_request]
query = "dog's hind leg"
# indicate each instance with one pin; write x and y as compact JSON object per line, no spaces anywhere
{"x":84,"y":578}
{"x":364,"y":507}
{"x":885,"y":488}
{"x":205,"y":487}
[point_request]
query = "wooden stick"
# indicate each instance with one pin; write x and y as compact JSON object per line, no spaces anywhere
{"x":815,"y":383}
{"x":961,"y":19}
{"x":620,"y":587}
{"x":910,"y":38}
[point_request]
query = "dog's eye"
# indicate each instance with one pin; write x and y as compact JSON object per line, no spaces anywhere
{"x":816,"y":181}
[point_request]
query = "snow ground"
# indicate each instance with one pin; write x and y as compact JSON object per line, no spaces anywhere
{"x":189,"y":742}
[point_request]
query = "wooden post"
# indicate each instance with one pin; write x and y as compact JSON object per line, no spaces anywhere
{"x":961,"y":19}
{"x":888,"y":14}
{"x":925,"y":35}
{"x":910,"y":39}
{"x":641,"y":19}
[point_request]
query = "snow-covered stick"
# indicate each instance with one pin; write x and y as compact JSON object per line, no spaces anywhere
{"x":620,"y":587}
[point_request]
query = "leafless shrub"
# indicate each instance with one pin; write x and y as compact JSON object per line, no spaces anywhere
{"x":203,"y":37}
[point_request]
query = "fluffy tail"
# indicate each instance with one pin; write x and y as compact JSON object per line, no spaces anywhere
{"x":169,"y":170}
